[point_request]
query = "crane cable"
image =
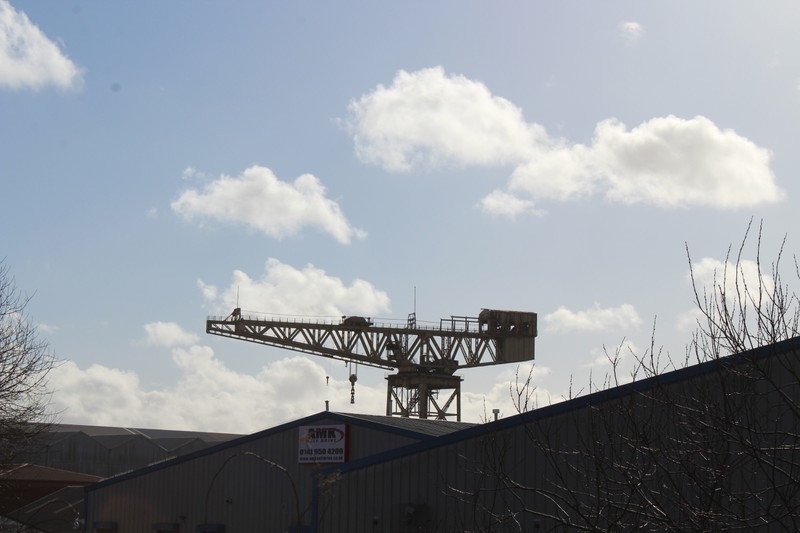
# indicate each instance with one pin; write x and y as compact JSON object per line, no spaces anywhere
{"x":353,"y":379}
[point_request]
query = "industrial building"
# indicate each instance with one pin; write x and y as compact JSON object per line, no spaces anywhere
{"x":44,"y":492}
{"x":627,"y":456}
{"x":265,"y":481}
{"x":707,"y":447}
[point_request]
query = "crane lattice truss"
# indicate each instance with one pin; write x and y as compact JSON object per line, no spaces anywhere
{"x":426,"y":358}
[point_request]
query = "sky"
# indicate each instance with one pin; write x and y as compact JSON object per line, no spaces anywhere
{"x":162,"y":162}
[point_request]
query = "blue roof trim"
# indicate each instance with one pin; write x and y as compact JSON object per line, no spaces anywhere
{"x":344,"y":418}
{"x":682,"y":374}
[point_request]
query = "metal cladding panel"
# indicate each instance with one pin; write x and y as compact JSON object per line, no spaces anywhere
{"x":407,"y":494}
{"x":516,"y":349}
{"x":238,"y":484}
{"x":447,"y":488}
{"x":509,"y":322}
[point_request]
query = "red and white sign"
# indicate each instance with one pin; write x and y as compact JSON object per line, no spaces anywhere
{"x":322,"y":444}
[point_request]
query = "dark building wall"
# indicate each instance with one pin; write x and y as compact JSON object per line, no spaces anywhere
{"x":231,"y":484}
{"x":74,"y":451}
{"x":652,"y":447}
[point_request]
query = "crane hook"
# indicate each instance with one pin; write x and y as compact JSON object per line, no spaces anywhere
{"x":353,"y":379}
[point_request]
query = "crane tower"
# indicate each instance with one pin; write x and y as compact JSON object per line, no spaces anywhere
{"x":425,"y":357}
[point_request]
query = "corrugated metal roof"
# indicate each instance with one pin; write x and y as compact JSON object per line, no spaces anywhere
{"x":30,"y":472}
{"x":433,"y":428}
{"x":155,"y":434}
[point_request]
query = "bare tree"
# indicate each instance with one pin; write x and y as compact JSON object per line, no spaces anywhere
{"x":748,"y":304}
{"x":25,"y":362}
{"x":712,"y":446}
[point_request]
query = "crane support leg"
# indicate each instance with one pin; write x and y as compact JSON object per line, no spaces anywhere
{"x":420,"y":395}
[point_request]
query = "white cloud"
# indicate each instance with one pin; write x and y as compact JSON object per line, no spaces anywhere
{"x":503,"y":203}
{"x":508,"y":394}
{"x":168,"y":334}
{"x":668,"y":162}
{"x":429,"y":118}
{"x":739,"y":285}
{"x":713,"y":273}
{"x":672,"y":162}
{"x":188,"y":173}
{"x":28,"y":59}
{"x":687,"y":321}
{"x":426,"y":118}
{"x":208,"y":396}
{"x":283,"y":289}
{"x":260,"y":200}
{"x":47,"y":329}
{"x":560,"y":172}
{"x":210,"y":292}
{"x":631,"y":31}
{"x":562,"y":320}
{"x":605,"y":357}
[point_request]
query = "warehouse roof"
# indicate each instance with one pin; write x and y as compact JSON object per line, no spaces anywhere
{"x":432,"y":428}
{"x":111,"y":436}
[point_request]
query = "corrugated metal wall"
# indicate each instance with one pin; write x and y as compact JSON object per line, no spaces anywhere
{"x":512,"y":479}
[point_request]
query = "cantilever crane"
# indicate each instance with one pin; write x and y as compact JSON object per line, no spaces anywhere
{"x":426,"y":358}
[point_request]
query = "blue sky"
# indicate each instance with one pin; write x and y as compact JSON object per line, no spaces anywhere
{"x":328,"y":159}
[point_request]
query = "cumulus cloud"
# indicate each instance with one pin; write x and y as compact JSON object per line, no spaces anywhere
{"x":208,"y":395}
{"x":603,"y":358}
{"x":502,"y":203}
{"x":310,"y":291}
{"x":687,"y":321}
{"x":563,"y":320}
{"x":168,"y":334}
{"x":429,"y":118}
{"x":672,"y":162}
{"x":258,"y":199}
{"x":28,"y":59}
{"x":739,"y":283}
{"x":558,"y":172}
{"x":710,"y":273}
{"x":47,"y":329}
{"x":631,"y":31}
{"x":504,"y":394}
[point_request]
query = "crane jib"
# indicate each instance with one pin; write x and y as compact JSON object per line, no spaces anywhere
{"x":425,"y":357}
